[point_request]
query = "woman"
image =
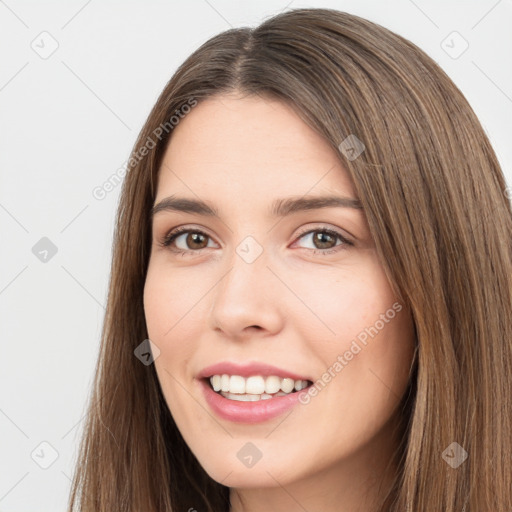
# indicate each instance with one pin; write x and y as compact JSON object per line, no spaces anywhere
{"x":341,"y":338}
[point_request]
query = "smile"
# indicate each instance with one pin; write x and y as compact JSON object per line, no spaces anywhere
{"x":255,"y":387}
{"x":251,"y":408}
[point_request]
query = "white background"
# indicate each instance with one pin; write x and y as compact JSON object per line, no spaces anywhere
{"x":68,"y":122}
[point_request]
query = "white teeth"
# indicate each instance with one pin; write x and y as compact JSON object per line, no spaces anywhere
{"x":255,"y":385}
{"x":224,"y":383}
{"x":300,"y":384}
{"x":237,"y":384}
{"x":250,"y":397}
{"x":287,"y":385}
{"x":216,"y":382}
{"x":272,"y":384}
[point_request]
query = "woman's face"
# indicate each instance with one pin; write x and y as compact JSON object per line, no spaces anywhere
{"x":249,"y":286}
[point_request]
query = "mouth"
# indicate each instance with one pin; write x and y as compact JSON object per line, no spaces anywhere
{"x":253,"y":398}
{"x":254,"y":388}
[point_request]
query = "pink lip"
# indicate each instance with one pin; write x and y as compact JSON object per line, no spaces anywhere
{"x":254,"y":368}
{"x":248,"y":412}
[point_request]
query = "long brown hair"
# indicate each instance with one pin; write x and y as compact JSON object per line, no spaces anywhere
{"x":436,"y":203}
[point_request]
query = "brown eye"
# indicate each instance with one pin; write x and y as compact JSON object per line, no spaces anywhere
{"x":193,"y":240}
{"x":196,"y":240}
{"x":324,"y":240}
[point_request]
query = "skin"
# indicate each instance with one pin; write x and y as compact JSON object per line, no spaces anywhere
{"x":291,"y":307}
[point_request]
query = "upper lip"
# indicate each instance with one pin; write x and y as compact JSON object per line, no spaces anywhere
{"x":247,"y":370}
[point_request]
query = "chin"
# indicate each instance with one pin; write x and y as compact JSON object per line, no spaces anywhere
{"x":239,"y":476}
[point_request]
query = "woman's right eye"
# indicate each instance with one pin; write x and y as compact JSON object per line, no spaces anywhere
{"x":191,"y":237}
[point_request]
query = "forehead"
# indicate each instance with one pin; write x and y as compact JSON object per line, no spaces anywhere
{"x":243,"y":146}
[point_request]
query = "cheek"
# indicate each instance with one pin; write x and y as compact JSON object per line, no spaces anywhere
{"x":173,"y":314}
{"x":390,"y":352}
{"x":162,"y":317}
{"x":376,"y":360}
{"x":168,"y":301}
{"x":152,"y":298}
{"x":368,"y":347}
{"x":342,"y":303}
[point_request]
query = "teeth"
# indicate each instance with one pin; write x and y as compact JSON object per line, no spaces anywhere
{"x":224,"y":383}
{"x":300,"y":384}
{"x":255,"y":385}
{"x":236,"y":384}
{"x":287,"y":385}
{"x":250,"y":397}
{"x":216,"y":382}
{"x":272,"y":384}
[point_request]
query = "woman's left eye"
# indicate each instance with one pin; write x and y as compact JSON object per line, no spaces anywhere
{"x":322,"y":238}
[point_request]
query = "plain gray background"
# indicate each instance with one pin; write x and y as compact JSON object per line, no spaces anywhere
{"x":77,"y":80}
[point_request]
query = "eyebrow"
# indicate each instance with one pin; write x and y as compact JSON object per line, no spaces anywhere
{"x":279,"y":208}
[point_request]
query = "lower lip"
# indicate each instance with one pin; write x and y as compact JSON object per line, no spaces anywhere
{"x":249,"y":412}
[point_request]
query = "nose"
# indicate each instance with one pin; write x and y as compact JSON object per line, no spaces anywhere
{"x":247,"y":299}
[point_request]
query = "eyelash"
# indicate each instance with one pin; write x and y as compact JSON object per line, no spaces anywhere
{"x":170,"y":237}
